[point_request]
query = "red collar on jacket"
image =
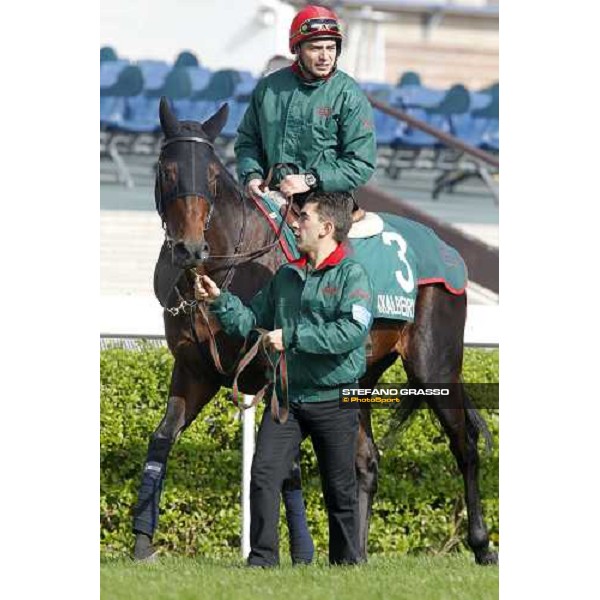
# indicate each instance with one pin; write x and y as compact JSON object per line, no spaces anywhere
{"x":335,"y":258}
{"x":300,"y":73}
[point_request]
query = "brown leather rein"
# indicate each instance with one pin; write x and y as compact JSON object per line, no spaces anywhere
{"x":279,"y":413}
{"x":244,"y":358}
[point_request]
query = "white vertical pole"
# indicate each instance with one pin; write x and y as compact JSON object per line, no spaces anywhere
{"x":247,"y":454}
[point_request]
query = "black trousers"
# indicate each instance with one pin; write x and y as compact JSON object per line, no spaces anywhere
{"x":334,"y":434}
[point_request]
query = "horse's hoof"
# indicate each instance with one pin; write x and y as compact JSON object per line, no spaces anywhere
{"x":486,"y":558}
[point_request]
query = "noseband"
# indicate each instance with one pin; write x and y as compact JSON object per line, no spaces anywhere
{"x":195,"y":190}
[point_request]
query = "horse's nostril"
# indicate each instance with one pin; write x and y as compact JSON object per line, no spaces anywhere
{"x":186,"y":254}
{"x":180,"y":251}
{"x":203,"y":252}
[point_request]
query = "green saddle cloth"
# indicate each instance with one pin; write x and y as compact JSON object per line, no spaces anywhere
{"x":405,"y":255}
{"x":402,"y":257}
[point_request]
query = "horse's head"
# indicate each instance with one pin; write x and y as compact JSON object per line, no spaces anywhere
{"x":185,"y":187}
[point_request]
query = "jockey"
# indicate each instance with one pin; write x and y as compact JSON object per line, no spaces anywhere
{"x":311,"y":115}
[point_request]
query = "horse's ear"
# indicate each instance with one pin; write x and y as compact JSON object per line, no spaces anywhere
{"x":213,"y":126}
{"x":168,"y":121}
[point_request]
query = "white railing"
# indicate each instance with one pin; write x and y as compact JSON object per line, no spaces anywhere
{"x":141,"y":317}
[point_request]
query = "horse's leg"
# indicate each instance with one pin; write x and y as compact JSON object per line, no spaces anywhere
{"x":188,"y":394}
{"x":367,"y":457}
{"x":367,"y":471}
{"x":301,"y":544}
{"x":432,"y":351}
{"x":463,"y":432}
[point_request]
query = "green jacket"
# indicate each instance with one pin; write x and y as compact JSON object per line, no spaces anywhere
{"x":325,"y":315}
{"x":325,"y":126}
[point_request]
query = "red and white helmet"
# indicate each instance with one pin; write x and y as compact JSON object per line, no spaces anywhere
{"x":315,"y":22}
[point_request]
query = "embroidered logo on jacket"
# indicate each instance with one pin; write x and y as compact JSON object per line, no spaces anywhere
{"x":360,"y":294}
{"x":324,"y":111}
{"x":330,"y":290}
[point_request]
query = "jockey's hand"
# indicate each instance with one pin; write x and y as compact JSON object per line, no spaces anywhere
{"x":274,"y":340}
{"x":205,"y":289}
{"x":293,"y":184}
{"x":255,"y":187}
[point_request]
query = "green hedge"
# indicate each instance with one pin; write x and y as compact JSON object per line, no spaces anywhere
{"x":418,"y":506}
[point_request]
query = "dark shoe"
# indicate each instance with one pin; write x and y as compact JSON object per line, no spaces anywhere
{"x":300,"y":562}
{"x":255,"y":566}
{"x":144,"y":551}
{"x":253,"y":562}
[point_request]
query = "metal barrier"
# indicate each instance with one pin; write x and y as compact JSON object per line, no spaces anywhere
{"x":481,"y":157}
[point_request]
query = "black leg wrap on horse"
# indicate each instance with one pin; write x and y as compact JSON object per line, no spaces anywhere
{"x":145,"y":514}
{"x":302,"y":548}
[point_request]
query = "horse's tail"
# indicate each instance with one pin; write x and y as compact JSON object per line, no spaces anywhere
{"x":401,"y":419}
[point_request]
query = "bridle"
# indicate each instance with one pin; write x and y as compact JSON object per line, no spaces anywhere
{"x":161,"y":202}
{"x":238,"y":257}
{"x":162,"y":198}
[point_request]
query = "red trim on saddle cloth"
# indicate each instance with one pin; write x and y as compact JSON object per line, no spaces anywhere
{"x":452,"y":290}
{"x":284,"y":246}
{"x":333,"y":259}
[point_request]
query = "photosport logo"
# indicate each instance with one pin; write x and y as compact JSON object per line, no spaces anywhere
{"x":450,"y":395}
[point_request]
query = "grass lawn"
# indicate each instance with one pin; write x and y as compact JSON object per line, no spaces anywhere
{"x":414,"y":578}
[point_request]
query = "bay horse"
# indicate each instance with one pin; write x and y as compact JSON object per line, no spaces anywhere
{"x":212,"y":228}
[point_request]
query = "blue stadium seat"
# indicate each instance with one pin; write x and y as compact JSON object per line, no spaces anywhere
{"x":243,"y":90}
{"x":491,"y":137}
{"x":410,"y":137}
{"x":493,"y":90}
{"x":489,"y":116}
{"x":236,"y":113}
{"x":247,"y":77}
{"x":386,"y":128}
{"x":107,"y":53}
{"x":469,"y":129}
{"x":110,"y":71}
{"x":155,"y":73}
{"x":113,"y":98}
{"x":377,"y":89}
{"x":130,"y":82}
{"x":112,"y":111}
{"x":491,"y":111}
{"x":199,"y":76}
{"x":479,"y":100}
{"x":189,"y":109}
{"x":141,"y":115}
{"x":177,"y":85}
{"x":409,"y":78}
{"x":416,"y":96}
{"x":186,"y":59}
{"x":220,"y":87}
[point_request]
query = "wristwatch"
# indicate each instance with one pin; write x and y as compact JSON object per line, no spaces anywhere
{"x":310,"y":180}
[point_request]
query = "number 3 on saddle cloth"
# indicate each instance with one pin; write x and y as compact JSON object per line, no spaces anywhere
{"x":398,"y":254}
